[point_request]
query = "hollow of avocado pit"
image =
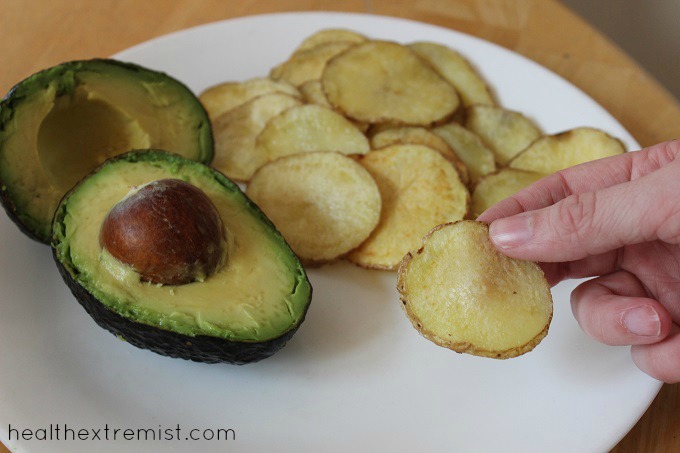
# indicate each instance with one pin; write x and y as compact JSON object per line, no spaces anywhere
{"x":244,"y":311}
{"x":60,"y":123}
{"x":167,"y":230}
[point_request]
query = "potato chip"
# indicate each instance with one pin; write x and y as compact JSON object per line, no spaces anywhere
{"x":419,"y":136}
{"x":312,"y":92}
{"x":459,"y":292}
{"x":308,"y":64}
{"x":457,"y":71}
{"x":323,"y":203}
{"x":419,"y":189}
{"x":469,"y":148}
{"x":380,"y":81}
{"x":505,"y":132}
{"x":235,"y":133}
{"x":552,"y":153}
{"x":377,"y":128}
{"x":223,"y":97}
{"x":498,"y":186}
{"x":330,"y":35}
{"x":308,"y":128}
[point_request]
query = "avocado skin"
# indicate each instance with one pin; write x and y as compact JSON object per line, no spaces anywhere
{"x":199,"y":348}
{"x":65,"y":72}
{"x":11,"y":211}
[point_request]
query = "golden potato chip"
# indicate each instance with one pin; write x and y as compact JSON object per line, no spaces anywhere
{"x":235,"y":133}
{"x":498,"y":186}
{"x":308,"y":64}
{"x":505,"y":132}
{"x":457,"y":71}
{"x":223,"y":97}
{"x":467,"y":145}
{"x":323,"y":203}
{"x":308,"y":128}
{"x":552,"y":153}
{"x":312,"y":92}
{"x":419,"y":189}
{"x":377,"y":128}
{"x":380,"y":81}
{"x":419,"y":136}
{"x":330,"y":35}
{"x":459,"y":292}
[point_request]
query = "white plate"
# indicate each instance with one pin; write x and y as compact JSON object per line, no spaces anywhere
{"x":356,"y":375}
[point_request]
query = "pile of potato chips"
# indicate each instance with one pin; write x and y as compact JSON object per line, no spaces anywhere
{"x":356,"y":148}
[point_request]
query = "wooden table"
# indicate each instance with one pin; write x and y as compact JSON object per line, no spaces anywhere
{"x":35,"y":34}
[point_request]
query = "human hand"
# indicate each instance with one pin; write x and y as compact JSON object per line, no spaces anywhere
{"x":617,"y":219}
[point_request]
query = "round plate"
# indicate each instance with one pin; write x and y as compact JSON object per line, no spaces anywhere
{"x":357,"y":375}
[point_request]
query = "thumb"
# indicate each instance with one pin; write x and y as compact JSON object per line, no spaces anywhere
{"x":591,"y":223}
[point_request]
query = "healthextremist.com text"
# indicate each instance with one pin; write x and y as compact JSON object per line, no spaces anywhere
{"x":62,"y":432}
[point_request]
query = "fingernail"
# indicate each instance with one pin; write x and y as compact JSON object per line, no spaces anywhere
{"x":643,"y":321}
{"x":510,"y":232}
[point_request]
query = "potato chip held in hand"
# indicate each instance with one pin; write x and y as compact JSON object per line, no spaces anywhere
{"x":459,"y":292}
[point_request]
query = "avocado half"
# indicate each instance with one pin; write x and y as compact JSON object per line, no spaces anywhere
{"x":60,"y":123}
{"x":244,"y":312}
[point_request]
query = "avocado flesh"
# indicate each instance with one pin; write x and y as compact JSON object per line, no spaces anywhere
{"x":259,"y":295}
{"x":80,"y":133}
{"x":59,"y":124}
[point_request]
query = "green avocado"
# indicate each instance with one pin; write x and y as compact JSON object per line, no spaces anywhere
{"x":59,"y":124}
{"x":245,"y":311}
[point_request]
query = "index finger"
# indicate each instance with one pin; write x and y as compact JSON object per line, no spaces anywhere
{"x":587,"y":177}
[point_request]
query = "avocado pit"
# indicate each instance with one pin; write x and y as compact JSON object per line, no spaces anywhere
{"x":167,"y":230}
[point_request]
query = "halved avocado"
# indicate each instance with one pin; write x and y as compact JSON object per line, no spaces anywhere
{"x":59,"y":124}
{"x":245,"y":311}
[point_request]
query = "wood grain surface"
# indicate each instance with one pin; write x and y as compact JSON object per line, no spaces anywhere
{"x":35,"y":34}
